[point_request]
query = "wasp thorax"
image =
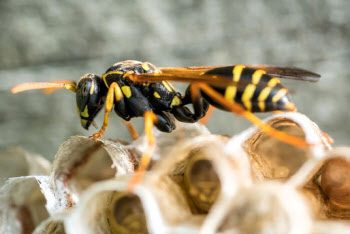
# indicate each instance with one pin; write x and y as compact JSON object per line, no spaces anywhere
{"x":134,"y":66}
{"x":90,"y":98}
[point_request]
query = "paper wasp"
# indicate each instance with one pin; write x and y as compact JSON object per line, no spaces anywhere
{"x":137,"y":89}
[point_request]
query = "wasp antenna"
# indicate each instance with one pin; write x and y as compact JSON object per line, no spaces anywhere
{"x":50,"y":90}
{"x":43,"y":85}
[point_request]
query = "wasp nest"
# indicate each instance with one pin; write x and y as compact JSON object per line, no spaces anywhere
{"x":197,"y":183}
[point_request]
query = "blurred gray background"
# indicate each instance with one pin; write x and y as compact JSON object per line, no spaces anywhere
{"x":50,"y":40}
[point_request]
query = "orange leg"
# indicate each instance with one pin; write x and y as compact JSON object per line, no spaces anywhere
{"x":150,"y":119}
{"x":206,"y":118}
{"x":238,"y":109}
{"x":114,"y":88}
{"x":328,"y":138}
{"x":131,"y":129}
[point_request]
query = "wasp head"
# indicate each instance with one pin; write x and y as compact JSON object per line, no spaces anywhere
{"x":91,"y":94}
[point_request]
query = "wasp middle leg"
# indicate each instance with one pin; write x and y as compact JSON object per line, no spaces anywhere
{"x":114,"y":94}
{"x":150,"y":120}
{"x":132,"y":130}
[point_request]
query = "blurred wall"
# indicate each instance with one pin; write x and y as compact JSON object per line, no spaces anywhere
{"x":49,"y":40}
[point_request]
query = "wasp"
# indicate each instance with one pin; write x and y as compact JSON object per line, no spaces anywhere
{"x":136,"y":89}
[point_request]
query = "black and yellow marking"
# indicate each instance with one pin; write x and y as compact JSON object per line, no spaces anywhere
{"x":85,"y":113}
{"x":259,"y":92}
{"x":231,"y":91}
{"x":279,"y":95}
{"x":156,"y":94}
{"x":233,"y":94}
{"x":118,"y":93}
{"x":126,"y":91}
{"x":110,"y":73}
{"x":247,"y":96}
{"x":262,"y":98}
{"x":126,"y":74}
{"x":237,"y":72}
{"x":136,"y":89}
{"x":273,"y":82}
{"x":168,"y":86}
{"x":175,"y":102}
{"x":92,"y":88}
{"x":257,"y":76}
{"x":255,"y":90}
{"x":145,"y":67}
{"x":133,"y":88}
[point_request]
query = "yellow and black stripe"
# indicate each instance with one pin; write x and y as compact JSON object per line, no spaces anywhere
{"x":255,"y":90}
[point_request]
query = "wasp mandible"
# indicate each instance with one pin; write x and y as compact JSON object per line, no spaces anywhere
{"x":136,"y":89}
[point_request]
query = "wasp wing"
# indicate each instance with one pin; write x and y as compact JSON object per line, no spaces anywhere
{"x":272,"y":70}
{"x":189,"y":75}
{"x":179,"y":75}
{"x":294,"y":73}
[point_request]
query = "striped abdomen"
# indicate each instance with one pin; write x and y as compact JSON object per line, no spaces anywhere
{"x":254,"y":90}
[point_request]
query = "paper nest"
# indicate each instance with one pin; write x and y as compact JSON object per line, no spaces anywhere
{"x":198,"y":183}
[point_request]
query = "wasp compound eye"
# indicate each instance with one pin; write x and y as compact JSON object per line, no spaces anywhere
{"x":90,"y":98}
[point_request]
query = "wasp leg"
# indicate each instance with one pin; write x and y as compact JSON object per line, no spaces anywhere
{"x":328,"y":138}
{"x":114,"y":93}
{"x":122,"y":111}
{"x":183,"y":114}
{"x":138,"y":105}
{"x":165,"y":122}
{"x":131,"y":129}
{"x":120,"y":107}
{"x":150,"y":120}
{"x":238,"y":109}
{"x":200,"y":107}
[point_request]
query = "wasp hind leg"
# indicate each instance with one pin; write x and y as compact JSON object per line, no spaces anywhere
{"x":150,"y":120}
{"x":238,"y":109}
{"x":132,"y":130}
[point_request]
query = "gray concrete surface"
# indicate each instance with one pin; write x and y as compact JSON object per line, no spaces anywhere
{"x":48,"y":40}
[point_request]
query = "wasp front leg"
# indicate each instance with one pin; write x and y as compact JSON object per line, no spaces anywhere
{"x":114,"y":95}
{"x":200,"y":107}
